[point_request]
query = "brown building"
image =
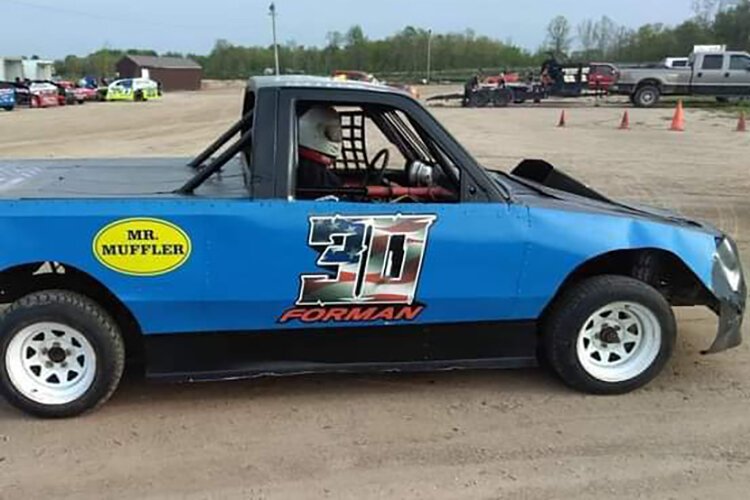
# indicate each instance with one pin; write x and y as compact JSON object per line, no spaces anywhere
{"x":173,"y":73}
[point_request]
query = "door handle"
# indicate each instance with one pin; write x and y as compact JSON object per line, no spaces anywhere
{"x":726,"y":75}
{"x":700,"y":75}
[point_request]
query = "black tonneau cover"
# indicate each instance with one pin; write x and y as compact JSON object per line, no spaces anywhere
{"x":112,"y":178}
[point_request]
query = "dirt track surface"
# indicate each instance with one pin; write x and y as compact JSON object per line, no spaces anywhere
{"x":457,"y":435}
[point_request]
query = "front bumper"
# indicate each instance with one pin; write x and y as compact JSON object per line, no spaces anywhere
{"x":730,"y":290}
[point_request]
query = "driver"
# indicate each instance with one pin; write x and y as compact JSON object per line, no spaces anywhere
{"x":319,"y":145}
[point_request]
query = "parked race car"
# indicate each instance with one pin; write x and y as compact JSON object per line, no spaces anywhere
{"x":133,"y":89}
{"x":37,"y":94}
{"x":65,"y":95}
{"x":361,"y":76}
{"x":44,"y":94}
{"x":7,"y":96}
{"x":502,"y":78}
{"x":75,"y":94}
{"x":301,"y":249}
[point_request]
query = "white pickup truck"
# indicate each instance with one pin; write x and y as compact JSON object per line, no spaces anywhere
{"x":719,"y":74}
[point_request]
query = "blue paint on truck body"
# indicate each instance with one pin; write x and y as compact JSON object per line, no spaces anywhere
{"x":481,"y":262}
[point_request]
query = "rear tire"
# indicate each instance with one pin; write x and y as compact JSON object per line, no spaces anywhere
{"x":609,"y":335}
{"x":61,"y":354}
{"x":479,"y":99}
{"x":502,"y":98}
{"x":647,"y":96}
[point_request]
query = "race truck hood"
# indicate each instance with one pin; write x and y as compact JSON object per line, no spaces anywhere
{"x":541,"y":181}
{"x":110,"y":178}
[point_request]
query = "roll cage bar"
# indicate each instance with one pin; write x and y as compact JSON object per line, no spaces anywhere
{"x":205,"y":171}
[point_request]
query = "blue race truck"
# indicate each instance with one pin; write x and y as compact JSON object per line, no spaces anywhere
{"x":389,"y":248}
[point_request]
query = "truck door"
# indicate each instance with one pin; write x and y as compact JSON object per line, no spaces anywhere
{"x":434,"y":263}
{"x":710,"y":75}
{"x":337,"y":260}
{"x":739,"y":74}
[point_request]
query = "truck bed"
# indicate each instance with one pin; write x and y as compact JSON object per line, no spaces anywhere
{"x":112,"y":178}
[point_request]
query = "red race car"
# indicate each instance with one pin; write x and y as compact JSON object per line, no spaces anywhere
{"x":361,"y":76}
{"x":502,"y":78}
{"x":75,"y":93}
{"x":42,"y":94}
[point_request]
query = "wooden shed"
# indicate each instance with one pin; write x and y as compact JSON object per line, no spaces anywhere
{"x":174,"y":73}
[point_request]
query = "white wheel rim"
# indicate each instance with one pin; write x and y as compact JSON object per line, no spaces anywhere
{"x":619,"y":342}
{"x":50,"y":363}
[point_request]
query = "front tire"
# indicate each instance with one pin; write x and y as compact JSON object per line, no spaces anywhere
{"x":609,"y":335}
{"x":61,"y":354}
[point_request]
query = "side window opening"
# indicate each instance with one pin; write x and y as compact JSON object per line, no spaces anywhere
{"x":739,"y":63}
{"x":369,"y":154}
{"x":713,"y":62}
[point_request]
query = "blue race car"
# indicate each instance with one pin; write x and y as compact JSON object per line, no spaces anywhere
{"x":7,"y":96}
{"x":337,"y":227}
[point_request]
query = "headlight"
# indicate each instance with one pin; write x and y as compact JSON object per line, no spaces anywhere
{"x":729,"y":263}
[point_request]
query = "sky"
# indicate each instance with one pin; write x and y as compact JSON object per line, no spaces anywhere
{"x":53,"y":29}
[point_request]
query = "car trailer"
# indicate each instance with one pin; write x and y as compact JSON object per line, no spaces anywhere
{"x":499,"y":96}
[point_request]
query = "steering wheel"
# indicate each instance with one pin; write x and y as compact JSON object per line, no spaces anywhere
{"x":383,"y":156}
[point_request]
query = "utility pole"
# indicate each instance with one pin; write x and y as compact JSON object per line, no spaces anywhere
{"x":272,"y":13}
{"x":429,"y":54}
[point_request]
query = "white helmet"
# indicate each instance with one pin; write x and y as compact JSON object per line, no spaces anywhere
{"x":320,"y":130}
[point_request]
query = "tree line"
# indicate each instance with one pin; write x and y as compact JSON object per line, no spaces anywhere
{"x":714,"y":22}
{"x":403,"y":56}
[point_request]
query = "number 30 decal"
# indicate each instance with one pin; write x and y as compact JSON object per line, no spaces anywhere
{"x":372,"y":260}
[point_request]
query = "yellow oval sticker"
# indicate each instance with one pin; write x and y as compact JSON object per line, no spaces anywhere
{"x":142,"y":246}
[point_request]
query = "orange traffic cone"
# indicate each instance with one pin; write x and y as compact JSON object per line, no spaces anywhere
{"x":678,"y":121}
{"x":563,"y":121}
{"x":742,"y":123}
{"x":625,"y":124}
